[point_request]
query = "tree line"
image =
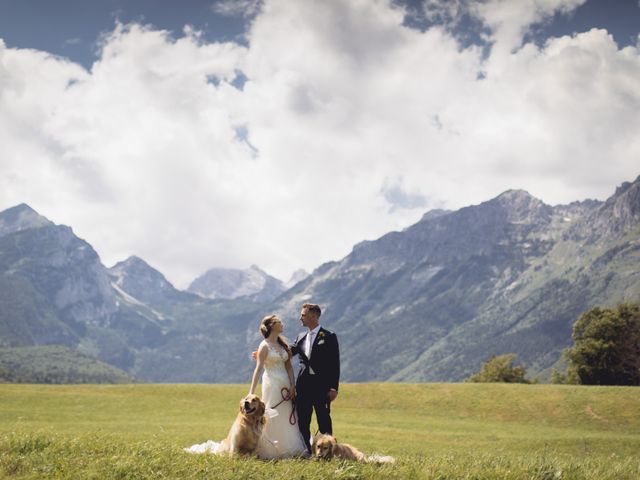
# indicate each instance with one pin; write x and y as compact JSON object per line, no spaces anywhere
{"x":57,"y":377}
{"x":605,"y":351}
{"x":55,"y":364}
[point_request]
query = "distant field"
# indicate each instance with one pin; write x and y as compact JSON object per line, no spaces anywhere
{"x":436,"y":431}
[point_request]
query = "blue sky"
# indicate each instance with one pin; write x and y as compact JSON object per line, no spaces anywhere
{"x":282,"y":132}
{"x":72,"y":28}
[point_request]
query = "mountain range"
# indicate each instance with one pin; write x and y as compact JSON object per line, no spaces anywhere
{"x":429,"y":303}
{"x":54,"y":290}
{"x":512,"y":274}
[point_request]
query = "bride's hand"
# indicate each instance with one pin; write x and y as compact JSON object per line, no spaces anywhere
{"x":292,"y":393}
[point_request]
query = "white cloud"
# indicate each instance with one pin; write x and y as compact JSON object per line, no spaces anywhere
{"x":509,"y":20}
{"x":359,"y":124}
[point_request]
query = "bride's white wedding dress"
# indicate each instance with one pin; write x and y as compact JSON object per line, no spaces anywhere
{"x":279,"y":438}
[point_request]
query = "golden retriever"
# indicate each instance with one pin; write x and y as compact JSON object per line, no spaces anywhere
{"x":247,"y":429}
{"x":327,"y":447}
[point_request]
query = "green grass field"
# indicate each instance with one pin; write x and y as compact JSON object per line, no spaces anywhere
{"x":436,"y":431}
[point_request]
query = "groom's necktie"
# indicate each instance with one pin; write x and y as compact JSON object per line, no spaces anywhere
{"x":308,"y":345}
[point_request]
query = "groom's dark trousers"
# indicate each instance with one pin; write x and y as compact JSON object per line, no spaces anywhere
{"x":312,"y":395}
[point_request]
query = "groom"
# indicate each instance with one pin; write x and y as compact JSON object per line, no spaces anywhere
{"x":317,"y":383}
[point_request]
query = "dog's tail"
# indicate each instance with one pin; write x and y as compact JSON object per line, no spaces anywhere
{"x":375,"y":458}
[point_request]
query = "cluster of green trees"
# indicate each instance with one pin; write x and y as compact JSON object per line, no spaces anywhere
{"x":56,"y":377}
{"x":606,"y":351}
{"x":500,"y":368}
{"x":606,"y":348}
{"x":55,"y":364}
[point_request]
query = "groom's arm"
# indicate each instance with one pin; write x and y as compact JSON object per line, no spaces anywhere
{"x":334,"y":363}
{"x":295,"y":349}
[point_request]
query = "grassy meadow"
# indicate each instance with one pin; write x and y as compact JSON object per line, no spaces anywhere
{"x":436,"y":431}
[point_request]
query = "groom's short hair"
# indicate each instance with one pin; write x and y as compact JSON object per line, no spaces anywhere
{"x":312,"y":307}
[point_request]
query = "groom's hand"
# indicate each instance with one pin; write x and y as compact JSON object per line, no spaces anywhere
{"x":254,"y":355}
{"x":332,"y":394}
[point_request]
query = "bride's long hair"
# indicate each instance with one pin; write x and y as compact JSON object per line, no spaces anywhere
{"x":265,"y":328}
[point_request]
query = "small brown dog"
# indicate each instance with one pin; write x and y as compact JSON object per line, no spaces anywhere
{"x":247,"y":429}
{"x":327,"y":447}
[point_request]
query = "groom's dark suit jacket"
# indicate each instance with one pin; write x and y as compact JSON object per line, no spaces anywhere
{"x":325,"y":358}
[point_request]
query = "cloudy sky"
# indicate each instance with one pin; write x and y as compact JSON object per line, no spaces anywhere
{"x":280,"y":133}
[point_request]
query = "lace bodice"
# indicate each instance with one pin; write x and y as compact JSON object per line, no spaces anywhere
{"x":274,"y":363}
{"x":276,"y":355}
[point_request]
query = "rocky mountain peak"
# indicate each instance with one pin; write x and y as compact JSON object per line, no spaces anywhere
{"x":624,"y":186}
{"x":230,"y":283}
{"x":442,"y":234}
{"x":518,"y":198}
{"x":143,"y":282}
{"x":628,"y":192}
{"x":621,"y":211}
{"x":20,"y":208}
{"x":136,"y":259}
{"x":435,"y":213}
{"x":296,"y":277}
{"x":136,"y":269}
{"x":133,"y":262}
{"x":21,"y":217}
{"x":521,"y":206}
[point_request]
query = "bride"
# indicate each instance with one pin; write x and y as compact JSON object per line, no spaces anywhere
{"x":281,"y":437}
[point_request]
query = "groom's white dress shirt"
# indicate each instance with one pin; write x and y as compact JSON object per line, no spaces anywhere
{"x":308,"y":344}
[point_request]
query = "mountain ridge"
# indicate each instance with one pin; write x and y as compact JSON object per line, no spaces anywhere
{"x":505,"y":275}
{"x":428,"y":303}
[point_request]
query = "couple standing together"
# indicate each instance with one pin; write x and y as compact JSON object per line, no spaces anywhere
{"x":315,"y":388}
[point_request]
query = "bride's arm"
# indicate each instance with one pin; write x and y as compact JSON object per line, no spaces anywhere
{"x":262,"y":355}
{"x":292,"y":382}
